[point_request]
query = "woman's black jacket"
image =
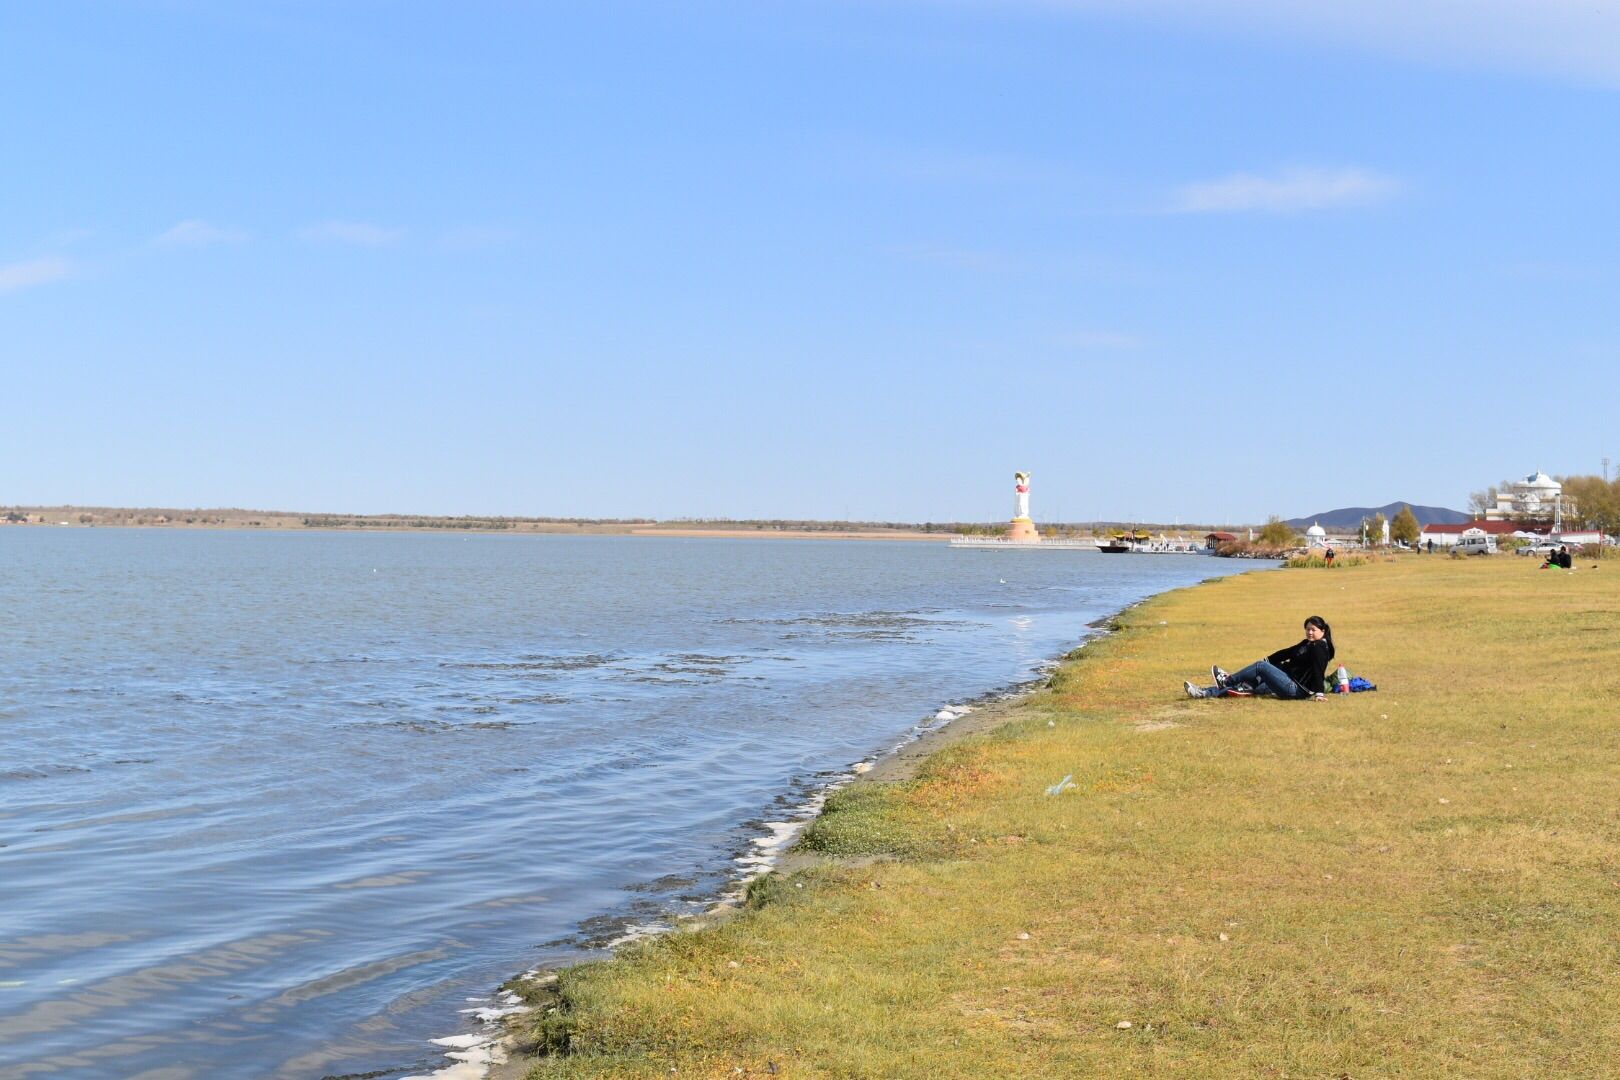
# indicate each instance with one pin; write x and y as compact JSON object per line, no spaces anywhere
{"x":1305,"y":663}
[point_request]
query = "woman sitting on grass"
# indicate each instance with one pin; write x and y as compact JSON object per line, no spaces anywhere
{"x":1292,"y":673}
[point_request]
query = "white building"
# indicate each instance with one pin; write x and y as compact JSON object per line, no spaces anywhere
{"x":1447,"y":535}
{"x":1316,"y":536}
{"x":1534,"y":496}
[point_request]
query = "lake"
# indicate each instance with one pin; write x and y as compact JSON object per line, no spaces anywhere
{"x":289,"y":805}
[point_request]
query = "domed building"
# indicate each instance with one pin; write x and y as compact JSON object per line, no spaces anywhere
{"x":1536,"y":496}
{"x":1316,"y":536}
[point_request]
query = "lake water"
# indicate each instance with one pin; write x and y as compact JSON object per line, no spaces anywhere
{"x":288,"y":804}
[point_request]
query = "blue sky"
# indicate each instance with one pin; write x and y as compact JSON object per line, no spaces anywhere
{"x":1183,"y":261}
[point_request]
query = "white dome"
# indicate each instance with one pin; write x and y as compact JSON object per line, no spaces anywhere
{"x":1315,"y":531}
{"x":1540,"y":481}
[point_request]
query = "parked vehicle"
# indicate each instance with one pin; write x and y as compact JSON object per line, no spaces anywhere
{"x":1476,"y":545}
{"x":1540,"y":549}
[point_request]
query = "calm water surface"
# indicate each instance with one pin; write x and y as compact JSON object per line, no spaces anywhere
{"x":285,"y":805}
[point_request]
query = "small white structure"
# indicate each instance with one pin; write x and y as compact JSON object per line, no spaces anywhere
{"x":1446,"y":536}
{"x":1022,"y":529}
{"x":1316,"y":536}
{"x":1537,"y":495}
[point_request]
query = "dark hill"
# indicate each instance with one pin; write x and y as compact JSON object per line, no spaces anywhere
{"x":1350,"y":517}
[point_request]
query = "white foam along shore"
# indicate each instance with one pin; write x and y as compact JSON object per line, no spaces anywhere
{"x":473,"y":1056}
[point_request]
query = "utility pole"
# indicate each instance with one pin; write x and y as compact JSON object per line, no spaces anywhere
{"x":1605,"y":470}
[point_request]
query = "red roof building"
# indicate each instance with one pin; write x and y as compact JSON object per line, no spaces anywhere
{"x":1489,"y":528}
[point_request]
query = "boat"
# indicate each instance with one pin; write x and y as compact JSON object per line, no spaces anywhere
{"x":1122,"y":542}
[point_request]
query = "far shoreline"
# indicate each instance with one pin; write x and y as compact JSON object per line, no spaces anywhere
{"x":288,"y":523}
{"x":684,"y":533}
{"x":236,"y":519}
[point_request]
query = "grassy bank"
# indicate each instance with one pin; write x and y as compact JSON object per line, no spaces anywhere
{"x":1422,"y":881}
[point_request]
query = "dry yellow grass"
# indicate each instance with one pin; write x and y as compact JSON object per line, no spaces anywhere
{"x":1418,"y":882}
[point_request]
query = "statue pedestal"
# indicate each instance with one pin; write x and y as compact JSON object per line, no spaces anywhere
{"x":1022,"y":531}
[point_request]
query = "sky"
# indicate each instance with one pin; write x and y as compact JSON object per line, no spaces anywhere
{"x":1182,"y":261}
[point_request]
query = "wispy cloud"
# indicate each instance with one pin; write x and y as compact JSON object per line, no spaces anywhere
{"x":195,"y":233}
{"x":1100,"y":339}
{"x":356,"y":233}
{"x":1577,"y":39}
{"x":1290,"y":191}
{"x":22,"y":275}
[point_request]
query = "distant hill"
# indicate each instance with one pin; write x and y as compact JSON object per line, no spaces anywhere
{"x":1350,"y":517}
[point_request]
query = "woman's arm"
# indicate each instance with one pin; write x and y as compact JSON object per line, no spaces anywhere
{"x":1283,"y":657}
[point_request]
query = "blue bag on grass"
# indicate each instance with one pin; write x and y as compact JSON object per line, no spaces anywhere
{"x":1358,"y":684}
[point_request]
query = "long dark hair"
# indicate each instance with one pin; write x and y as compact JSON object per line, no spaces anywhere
{"x":1327,"y":631}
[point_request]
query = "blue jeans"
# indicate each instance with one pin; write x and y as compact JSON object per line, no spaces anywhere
{"x":1264,"y":676}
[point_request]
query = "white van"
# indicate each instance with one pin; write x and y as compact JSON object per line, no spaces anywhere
{"x":1477,"y":544}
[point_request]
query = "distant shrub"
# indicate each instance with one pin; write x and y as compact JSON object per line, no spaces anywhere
{"x":1313,"y":560}
{"x":1247,"y":549}
{"x":1278,"y":534}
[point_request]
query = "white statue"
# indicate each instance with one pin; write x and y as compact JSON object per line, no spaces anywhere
{"x":1021,"y":496}
{"x":1386,"y":532}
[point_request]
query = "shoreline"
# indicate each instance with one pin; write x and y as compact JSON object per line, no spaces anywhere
{"x":1416,"y":880}
{"x":496,"y":1053}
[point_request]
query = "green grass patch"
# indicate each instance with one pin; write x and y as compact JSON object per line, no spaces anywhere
{"x":862,"y":820}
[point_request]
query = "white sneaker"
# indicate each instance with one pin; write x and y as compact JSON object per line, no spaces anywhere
{"x":1193,"y":691}
{"x":1220,"y":675}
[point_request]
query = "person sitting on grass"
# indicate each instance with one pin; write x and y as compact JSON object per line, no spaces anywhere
{"x":1292,"y":673}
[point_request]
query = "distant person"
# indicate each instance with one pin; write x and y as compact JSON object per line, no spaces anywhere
{"x":1293,"y":673}
{"x":1565,"y":559}
{"x":1328,"y":557}
{"x":1431,"y":545}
